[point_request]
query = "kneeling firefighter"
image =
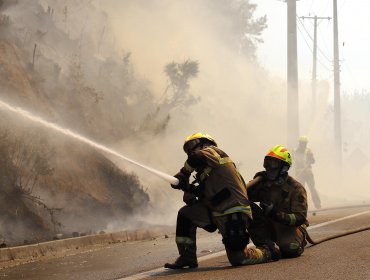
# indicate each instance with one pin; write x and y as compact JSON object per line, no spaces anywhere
{"x":216,"y":200}
{"x":282,"y":215}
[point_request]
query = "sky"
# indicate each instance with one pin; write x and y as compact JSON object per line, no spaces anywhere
{"x":354,"y":40}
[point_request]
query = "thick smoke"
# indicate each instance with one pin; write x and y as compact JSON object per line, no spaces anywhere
{"x":241,"y":105}
{"x":108,"y":77}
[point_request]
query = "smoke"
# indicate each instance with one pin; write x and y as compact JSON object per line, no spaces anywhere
{"x":241,"y":106}
{"x":103,"y":68}
{"x":231,"y":89}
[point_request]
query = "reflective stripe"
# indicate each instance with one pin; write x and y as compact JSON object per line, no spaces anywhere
{"x":236,"y":209}
{"x":254,"y":256}
{"x":184,"y":240}
{"x":220,"y":159}
{"x":225,"y":160}
{"x":292,"y":219}
{"x":205,"y":173}
{"x":188,"y":167}
{"x":294,"y":246}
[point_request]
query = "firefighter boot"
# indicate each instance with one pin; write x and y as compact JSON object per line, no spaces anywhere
{"x":273,"y":251}
{"x":187,"y":258}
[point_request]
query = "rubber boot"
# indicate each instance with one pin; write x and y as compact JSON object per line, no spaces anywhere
{"x":273,"y":250}
{"x":187,"y":258}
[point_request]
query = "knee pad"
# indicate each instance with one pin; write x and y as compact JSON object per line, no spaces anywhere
{"x":236,"y":237}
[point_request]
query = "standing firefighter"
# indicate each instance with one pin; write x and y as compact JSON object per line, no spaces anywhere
{"x":283,"y":205}
{"x":304,"y":158}
{"x":217,"y":200}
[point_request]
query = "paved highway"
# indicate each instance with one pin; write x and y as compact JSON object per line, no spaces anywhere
{"x":343,"y":258}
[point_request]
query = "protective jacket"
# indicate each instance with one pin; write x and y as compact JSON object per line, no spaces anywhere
{"x":288,"y":196}
{"x":303,"y":161}
{"x":221,"y":187}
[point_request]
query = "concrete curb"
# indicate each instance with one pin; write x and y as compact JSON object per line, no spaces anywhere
{"x":65,"y":246}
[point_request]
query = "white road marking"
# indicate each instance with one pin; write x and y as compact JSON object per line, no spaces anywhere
{"x":159,"y":270}
{"x":156,"y":271}
{"x":337,"y":220}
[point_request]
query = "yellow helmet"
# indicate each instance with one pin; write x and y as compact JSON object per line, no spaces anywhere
{"x":194,"y":139}
{"x":303,"y":139}
{"x":280,"y":152}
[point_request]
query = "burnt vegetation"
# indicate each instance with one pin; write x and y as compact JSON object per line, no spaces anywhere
{"x":24,"y":158}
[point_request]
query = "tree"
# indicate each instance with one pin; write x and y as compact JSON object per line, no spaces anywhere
{"x":246,"y":30}
{"x":179,"y":75}
{"x":176,"y":94}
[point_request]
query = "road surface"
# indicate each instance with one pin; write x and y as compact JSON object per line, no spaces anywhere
{"x":343,"y":258}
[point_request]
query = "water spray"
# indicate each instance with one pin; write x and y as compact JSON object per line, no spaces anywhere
{"x":170,"y":179}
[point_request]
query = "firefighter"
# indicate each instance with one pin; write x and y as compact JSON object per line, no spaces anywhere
{"x":282,"y":213}
{"x":216,"y":200}
{"x":304,"y":159}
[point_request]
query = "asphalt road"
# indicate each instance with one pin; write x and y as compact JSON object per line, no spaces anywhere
{"x":343,"y":258}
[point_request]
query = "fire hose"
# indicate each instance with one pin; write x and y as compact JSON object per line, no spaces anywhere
{"x":321,"y":240}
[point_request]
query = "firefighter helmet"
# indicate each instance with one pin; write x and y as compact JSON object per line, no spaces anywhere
{"x":281,"y":153}
{"x":303,"y":139}
{"x":193,"y":140}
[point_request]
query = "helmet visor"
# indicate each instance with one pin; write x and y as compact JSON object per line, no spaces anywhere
{"x":272,"y":163}
{"x":191,"y":145}
{"x":273,"y":167}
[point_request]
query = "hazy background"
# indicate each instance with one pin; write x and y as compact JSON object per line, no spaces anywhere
{"x":99,"y":69}
{"x":353,"y":40}
{"x":242,"y":106}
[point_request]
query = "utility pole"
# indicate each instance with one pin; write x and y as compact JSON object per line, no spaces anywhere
{"x":314,"y":82}
{"x":292,"y":75}
{"x":337,"y":114}
{"x":314,"y":63}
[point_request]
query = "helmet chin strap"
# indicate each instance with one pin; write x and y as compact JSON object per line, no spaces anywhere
{"x":281,"y":175}
{"x":284,"y":169}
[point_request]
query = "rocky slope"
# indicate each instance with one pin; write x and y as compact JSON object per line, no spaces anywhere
{"x":50,"y":184}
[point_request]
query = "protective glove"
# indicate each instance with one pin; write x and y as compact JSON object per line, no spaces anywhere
{"x":268,"y":209}
{"x":183,"y":182}
{"x":261,"y":174}
{"x":189,"y":198}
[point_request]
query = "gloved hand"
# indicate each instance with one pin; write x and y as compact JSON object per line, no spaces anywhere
{"x":189,"y":198}
{"x":261,"y":174}
{"x":183,"y":182}
{"x":268,"y":209}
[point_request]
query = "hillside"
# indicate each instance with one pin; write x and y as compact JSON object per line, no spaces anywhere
{"x":50,"y":184}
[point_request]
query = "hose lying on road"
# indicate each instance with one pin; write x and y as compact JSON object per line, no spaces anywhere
{"x":315,"y":242}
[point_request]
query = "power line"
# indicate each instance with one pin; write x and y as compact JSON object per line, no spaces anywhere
{"x":308,"y":45}
{"x":310,"y":48}
{"x":323,"y":39}
{"x":319,"y":49}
